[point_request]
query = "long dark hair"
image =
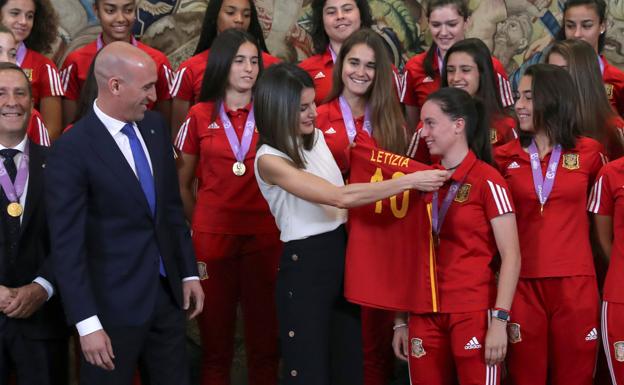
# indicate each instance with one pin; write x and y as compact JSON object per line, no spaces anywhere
{"x":222,"y":53}
{"x":45,"y":26}
{"x":209,"y":27}
{"x":277,"y":102}
{"x":600,"y":6}
{"x":319,"y":36}
{"x":554,"y":105}
{"x":482,"y":57}
{"x":462,"y":9}
{"x":594,"y":113}
{"x":386,"y":114}
{"x":458,"y":104}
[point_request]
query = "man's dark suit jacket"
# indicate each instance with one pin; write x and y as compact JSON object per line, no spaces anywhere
{"x":105,"y":242}
{"x":33,"y":254}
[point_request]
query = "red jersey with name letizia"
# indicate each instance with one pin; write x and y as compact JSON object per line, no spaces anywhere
{"x":226,"y":203}
{"x":553,"y":242}
{"x":607,"y":198}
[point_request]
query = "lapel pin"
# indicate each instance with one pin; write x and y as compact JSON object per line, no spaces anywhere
{"x":43,"y":165}
{"x":152,"y":132}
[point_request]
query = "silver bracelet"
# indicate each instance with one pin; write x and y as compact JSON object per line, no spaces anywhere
{"x":398,"y":326}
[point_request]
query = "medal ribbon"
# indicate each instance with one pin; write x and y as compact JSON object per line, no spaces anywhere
{"x":21,"y":54}
{"x":439,"y":213}
{"x":15,"y":190}
{"x":100,"y":42}
{"x":544,"y":185}
{"x":440,"y":60}
{"x":332,"y":53}
{"x":601,"y":64}
{"x":347,"y":117}
{"x":240,"y":149}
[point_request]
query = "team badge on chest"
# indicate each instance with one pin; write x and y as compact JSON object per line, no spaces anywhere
{"x":493,"y":136}
{"x":463,"y":193}
{"x":513,"y":331}
{"x":619,"y":351}
{"x":28,"y":72}
{"x":417,"y":348}
{"x":203,"y":272}
{"x":571,"y":161}
{"x":609,"y":89}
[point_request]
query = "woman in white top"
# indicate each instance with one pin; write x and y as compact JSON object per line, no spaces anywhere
{"x":319,"y":331}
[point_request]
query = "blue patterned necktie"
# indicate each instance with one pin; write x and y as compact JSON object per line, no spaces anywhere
{"x":144,"y":173}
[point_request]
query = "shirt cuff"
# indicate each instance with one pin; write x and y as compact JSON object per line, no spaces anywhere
{"x":191,"y":278}
{"x":88,"y":326}
{"x":46,"y":285}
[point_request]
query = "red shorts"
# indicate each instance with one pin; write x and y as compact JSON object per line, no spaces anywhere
{"x":445,"y":348}
{"x":554,"y":331}
{"x":613,"y":339}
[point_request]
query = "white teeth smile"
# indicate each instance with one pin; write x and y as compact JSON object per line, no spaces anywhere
{"x":11,"y":114}
{"x":358,"y":81}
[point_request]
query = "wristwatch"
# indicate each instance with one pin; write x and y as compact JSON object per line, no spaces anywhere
{"x":501,"y":314}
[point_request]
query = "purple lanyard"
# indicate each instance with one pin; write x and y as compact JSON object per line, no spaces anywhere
{"x":21,"y":54}
{"x":544,"y":185}
{"x":601,"y":64}
{"x":440,"y":61}
{"x":332,"y":53}
{"x":15,"y":190}
{"x":100,"y":42}
{"x":239,"y":149}
{"x":438,"y":214}
{"x":347,"y":117}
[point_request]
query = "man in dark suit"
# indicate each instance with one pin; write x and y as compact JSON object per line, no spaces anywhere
{"x":33,"y":335}
{"x":121,"y":248}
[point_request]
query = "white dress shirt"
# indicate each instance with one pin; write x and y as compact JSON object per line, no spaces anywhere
{"x":22,"y":200}
{"x":114,"y":126}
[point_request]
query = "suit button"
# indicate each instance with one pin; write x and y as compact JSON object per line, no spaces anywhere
{"x":290,"y":294}
{"x":293,"y":373}
{"x":295,"y":257}
{"x":291,"y":334}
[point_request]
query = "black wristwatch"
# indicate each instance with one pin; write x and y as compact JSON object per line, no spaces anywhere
{"x":502,"y":315}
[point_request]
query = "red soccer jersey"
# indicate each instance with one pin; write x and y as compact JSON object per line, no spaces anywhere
{"x":607,"y":198}
{"x":613,"y":79}
{"x":554,"y":243}
{"x":188,"y":80}
{"x":418,"y":85}
{"x":76,"y":68}
{"x":502,"y":130}
{"x":331,"y":123}
{"x":226,"y":203}
{"x":387,"y":237}
{"x":320,"y":68}
{"x":466,"y":260}
{"x":37,"y":131}
{"x":43,"y":76}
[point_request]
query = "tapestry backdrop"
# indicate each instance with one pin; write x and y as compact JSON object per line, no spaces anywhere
{"x":513,"y":29}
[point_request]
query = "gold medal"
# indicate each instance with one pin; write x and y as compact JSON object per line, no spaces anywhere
{"x":14,"y":209}
{"x":239,"y":168}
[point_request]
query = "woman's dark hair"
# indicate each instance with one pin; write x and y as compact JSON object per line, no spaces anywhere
{"x":277,"y":103}
{"x":45,"y":26}
{"x":222,"y":53}
{"x":594,"y":113}
{"x":319,"y":36}
{"x":600,"y":6}
{"x":88,"y":93}
{"x":480,"y":54}
{"x":209,"y":27}
{"x":554,"y":105}
{"x":462,"y":9}
{"x":458,"y":104}
{"x":386,"y":113}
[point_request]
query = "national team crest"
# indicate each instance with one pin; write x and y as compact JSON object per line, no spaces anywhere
{"x":462,"y":193}
{"x":417,"y":348}
{"x":28,"y":72}
{"x":513,"y":331}
{"x":609,"y":89}
{"x":571,"y":161}
{"x":203,"y":272}
{"x":619,"y":351}
{"x":493,"y":136}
